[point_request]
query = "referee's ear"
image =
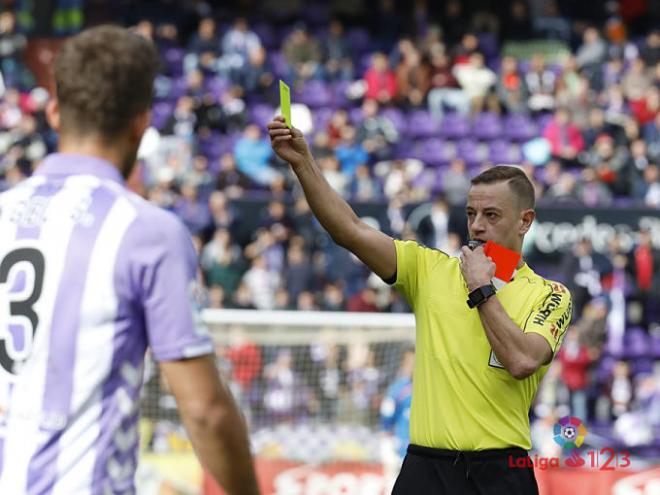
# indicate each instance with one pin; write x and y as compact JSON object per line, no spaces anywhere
{"x":527,"y":217}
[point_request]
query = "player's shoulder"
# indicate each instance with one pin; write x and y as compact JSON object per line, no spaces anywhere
{"x":153,"y":223}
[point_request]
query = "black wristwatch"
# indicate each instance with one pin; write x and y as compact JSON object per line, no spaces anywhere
{"x":480,"y":295}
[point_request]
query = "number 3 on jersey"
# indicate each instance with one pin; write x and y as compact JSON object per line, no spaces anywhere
{"x":21,"y":281}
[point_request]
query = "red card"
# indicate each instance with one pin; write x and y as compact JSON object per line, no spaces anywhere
{"x":505,"y":260}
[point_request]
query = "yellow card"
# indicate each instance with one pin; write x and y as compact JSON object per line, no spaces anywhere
{"x":285,"y":102}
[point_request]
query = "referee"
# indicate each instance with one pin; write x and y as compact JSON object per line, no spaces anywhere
{"x":477,"y":368}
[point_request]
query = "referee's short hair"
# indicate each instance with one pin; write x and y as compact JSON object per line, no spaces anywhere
{"x":104,"y":77}
{"x":518,"y":181}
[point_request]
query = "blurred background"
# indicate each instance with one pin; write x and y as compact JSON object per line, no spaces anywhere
{"x":402,"y":103}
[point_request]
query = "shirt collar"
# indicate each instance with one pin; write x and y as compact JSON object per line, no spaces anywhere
{"x":59,"y":164}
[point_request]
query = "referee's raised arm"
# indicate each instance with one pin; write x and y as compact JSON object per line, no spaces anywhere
{"x":373,"y":247}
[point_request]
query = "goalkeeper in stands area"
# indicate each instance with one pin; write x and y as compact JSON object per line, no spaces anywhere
{"x":480,"y":351}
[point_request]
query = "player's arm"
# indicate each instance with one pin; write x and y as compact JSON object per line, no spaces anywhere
{"x":216,"y":428}
{"x":373,"y":247}
{"x":163,"y":270}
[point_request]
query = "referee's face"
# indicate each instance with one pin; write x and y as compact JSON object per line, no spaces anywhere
{"x":493,"y":214}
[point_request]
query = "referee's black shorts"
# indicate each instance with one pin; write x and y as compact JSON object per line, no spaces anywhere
{"x":452,"y":472}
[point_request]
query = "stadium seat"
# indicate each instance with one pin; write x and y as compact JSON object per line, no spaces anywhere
{"x":473,"y":153}
{"x":455,"y":126}
{"x":504,"y":152}
{"x":315,"y":94}
{"x":519,"y":128}
{"x":421,"y":125}
{"x":397,"y":118}
{"x":487,"y":126}
{"x":434,"y":152}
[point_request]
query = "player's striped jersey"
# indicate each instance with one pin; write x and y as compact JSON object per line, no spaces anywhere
{"x":90,"y":276}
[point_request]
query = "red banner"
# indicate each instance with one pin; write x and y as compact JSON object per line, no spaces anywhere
{"x":351,"y":478}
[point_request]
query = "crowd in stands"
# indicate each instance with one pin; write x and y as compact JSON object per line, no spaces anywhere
{"x":398,"y":117}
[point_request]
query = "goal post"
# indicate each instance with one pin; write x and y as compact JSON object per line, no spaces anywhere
{"x":311,"y":386}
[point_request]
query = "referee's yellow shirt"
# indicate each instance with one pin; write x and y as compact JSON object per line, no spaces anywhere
{"x":463,"y":399}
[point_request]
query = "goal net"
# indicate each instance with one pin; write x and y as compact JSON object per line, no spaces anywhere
{"x":313,"y":387}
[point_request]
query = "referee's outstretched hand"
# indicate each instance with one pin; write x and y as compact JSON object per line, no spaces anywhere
{"x":288,"y":144}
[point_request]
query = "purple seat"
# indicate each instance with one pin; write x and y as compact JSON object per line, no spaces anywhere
{"x":321,"y":117}
{"x":160,"y":113}
{"x":173,"y":59}
{"x":487,"y":126}
{"x":655,"y":346}
{"x":605,"y":368}
{"x":642,"y":365}
{"x":261,"y":114}
{"x":421,"y":125}
{"x":636,"y":343}
{"x":425,"y":180}
{"x":179,"y":88}
{"x":518,"y":127}
{"x":279,"y":64}
{"x":504,"y":152}
{"x":315,"y":94}
{"x":471,"y":152}
{"x":217,"y":86}
{"x":355,"y":116}
{"x":397,"y":118}
{"x":339,"y":94}
{"x":433,"y":152}
{"x":455,"y":126}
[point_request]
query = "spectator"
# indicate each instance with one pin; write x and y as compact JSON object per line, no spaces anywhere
{"x":608,"y":161}
{"x":225,"y":271}
{"x":575,"y":359}
{"x":511,"y":88}
{"x":565,"y":139}
{"x":245,"y":358}
{"x":261,"y":283}
{"x":648,"y":188}
{"x":413,"y":76}
{"x":636,"y":81}
{"x":239,"y":45}
{"x":476,"y":80}
{"x":381,"y":80}
{"x":650,"y":51}
{"x":253,"y":154}
{"x":338,"y":63}
{"x":230,"y":180}
{"x":582,"y":270}
{"x":645,"y":265}
{"x":541,"y":83}
{"x":445,"y":89}
{"x":621,"y":389}
{"x":363,"y":186}
{"x":592,"y":192}
{"x":303,"y":54}
{"x":456,"y":183}
{"x":298,"y":274}
{"x":350,"y":152}
{"x":203,"y":48}
{"x":306,"y":302}
{"x":12,"y":45}
{"x":331,"y":170}
{"x":591,"y":54}
{"x":333,"y":298}
{"x":376,"y":133}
